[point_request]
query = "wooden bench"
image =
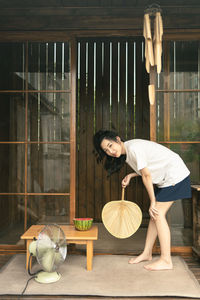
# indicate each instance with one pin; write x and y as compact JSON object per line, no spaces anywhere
{"x":72,"y":235}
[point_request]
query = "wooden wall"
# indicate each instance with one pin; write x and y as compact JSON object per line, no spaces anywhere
{"x":112,"y":94}
{"x":91,"y":15}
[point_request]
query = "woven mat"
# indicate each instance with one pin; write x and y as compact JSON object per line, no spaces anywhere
{"x":111,"y":276}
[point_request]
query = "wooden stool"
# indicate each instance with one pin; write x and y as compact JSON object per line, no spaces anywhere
{"x":72,"y":235}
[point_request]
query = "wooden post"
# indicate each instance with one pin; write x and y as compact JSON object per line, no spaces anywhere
{"x":166,"y":95}
{"x":73,"y":132}
{"x":153,"y":107}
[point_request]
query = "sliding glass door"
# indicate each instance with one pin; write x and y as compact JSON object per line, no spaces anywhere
{"x":175,"y":121}
{"x":37,"y":139}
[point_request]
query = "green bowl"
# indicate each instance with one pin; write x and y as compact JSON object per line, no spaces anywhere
{"x":83,"y":223}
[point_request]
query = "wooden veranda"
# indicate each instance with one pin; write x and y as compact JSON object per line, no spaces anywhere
{"x":69,"y":68}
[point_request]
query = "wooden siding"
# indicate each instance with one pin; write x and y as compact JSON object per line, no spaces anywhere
{"x":93,"y":15}
{"x":112,"y":85}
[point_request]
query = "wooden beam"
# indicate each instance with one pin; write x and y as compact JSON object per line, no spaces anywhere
{"x":93,"y":3}
{"x":65,"y":35}
{"x":12,"y":249}
{"x":176,"y":250}
{"x":168,"y":12}
{"x":94,"y":18}
{"x":52,"y":22}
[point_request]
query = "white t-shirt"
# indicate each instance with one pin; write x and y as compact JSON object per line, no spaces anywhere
{"x":166,"y":167}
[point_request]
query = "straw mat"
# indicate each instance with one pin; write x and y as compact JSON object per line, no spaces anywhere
{"x":111,"y":276}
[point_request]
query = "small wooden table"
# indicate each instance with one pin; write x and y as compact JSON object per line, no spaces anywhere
{"x":72,"y":235}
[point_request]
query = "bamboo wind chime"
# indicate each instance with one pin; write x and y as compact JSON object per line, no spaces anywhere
{"x":153,"y":48}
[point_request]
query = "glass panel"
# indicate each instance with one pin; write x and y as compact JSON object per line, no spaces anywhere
{"x":180,"y":219}
{"x":190,"y":153}
{"x":178,"y":119}
{"x":12,"y":117}
{"x":12,"y":168}
{"x":184,"y":62}
{"x":49,"y":117}
{"x":12,"y":62}
{"x":49,"y":168}
{"x":49,"y":66}
{"x":11,"y":219}
{"x":48,"y":209}
{"x":181,"y":115}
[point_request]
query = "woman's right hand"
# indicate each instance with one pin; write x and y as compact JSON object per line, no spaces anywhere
{"x":127,"y":178}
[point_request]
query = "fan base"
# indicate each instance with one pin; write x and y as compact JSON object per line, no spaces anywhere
{"x":47,"y":277}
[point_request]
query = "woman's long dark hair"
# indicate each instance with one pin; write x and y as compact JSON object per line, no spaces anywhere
{"x":111,"y":164}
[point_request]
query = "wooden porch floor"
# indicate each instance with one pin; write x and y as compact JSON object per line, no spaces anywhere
{"x":193,"y":263}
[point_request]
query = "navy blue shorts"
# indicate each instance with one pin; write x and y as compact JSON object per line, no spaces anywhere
{"x":181,"y":190}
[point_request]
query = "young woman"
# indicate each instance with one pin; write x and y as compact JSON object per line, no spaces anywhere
{"x":165,"y":177}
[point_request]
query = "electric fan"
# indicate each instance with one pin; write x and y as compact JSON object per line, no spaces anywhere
{"x":50,"y":250}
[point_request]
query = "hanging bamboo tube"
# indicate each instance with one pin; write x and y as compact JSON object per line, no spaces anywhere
{"x":151,"y":92}
{"x":147,"y":63}
{"x":147,"y":27}
{"x":158,"y":32}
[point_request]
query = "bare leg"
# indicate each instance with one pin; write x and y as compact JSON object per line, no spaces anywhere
{"x":164,"y":262}
{"x":150,"y":240}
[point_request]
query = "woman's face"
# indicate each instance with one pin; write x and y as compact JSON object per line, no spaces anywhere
{"x":112,"y":148}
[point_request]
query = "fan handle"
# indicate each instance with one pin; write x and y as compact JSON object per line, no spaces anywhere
{"x":123,"y":190}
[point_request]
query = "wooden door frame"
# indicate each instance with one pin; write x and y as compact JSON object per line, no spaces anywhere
{"x":11,"y":249}
{"x":174,"y":249}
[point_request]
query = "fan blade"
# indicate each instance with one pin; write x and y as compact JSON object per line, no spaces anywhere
{"x":56,"y":235}
{"x":45,"y":240}
{"x":48,"y":260}
{"x":51,"y":249}
{"x":59,"y":257}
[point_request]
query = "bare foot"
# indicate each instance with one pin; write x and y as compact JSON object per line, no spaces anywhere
{"x":159,"y":265}
{"x":138,"y":259}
